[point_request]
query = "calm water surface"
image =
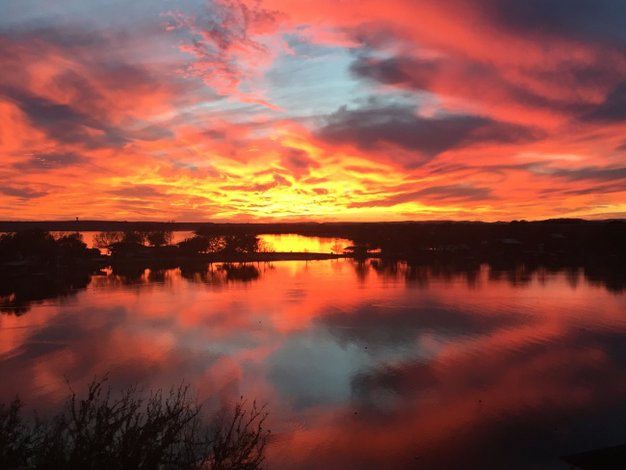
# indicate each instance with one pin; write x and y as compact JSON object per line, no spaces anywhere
{"x":362,"y":365}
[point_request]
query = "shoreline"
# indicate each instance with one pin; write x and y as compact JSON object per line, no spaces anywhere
{"x":148,"y":260}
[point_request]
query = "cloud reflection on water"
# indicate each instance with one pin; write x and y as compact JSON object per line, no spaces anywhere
{"x":375,"y":370}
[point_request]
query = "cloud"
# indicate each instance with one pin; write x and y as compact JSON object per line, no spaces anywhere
{"x":376,"y":125}
{"x":85,"y":88}
{"x":276,"y":181}
{"x":497,"y":93}
{"x":399,"y":70}
{"x":376,"y":325}
{"x":526,"y":62}
{"x":226,"y":43}
{"x":613,"y":108}
{"x":298,"y":162}
{"x":21,"y":192}
{"x":604,"y":189}
{"x":48,"y":161}
{"x":433,"y":195}
{"x":475,"y":107}
{"x":592,"y":174}
{"x":63,"y":122}
{"x":320,"y":191}
{"x":584,"y":20}
{"x":137,"y":191}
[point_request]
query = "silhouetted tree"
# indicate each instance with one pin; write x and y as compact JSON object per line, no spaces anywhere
{"x":215,"y":244}
{"x":71,"y":245}
{"x":241,"y":243}
{"x":337,"y":248}
{"x":202,"y":244}
{"x":34,"y":245}
{"x":239,"y":439}
{"x":134,"y":236}
{"x":194,"y":245}
{"x":265,"y":247}
{"x":159,"y":237}
{"x":106,"y":239}
{"x":16,"y":439}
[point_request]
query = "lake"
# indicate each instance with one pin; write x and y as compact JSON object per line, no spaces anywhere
{"x":362,"y":365}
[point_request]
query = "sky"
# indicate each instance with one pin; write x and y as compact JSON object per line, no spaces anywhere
{"x":325,"y":110}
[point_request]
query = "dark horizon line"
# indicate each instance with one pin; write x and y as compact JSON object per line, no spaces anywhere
{"x":309,"y":222}
{"x":311,"y":228}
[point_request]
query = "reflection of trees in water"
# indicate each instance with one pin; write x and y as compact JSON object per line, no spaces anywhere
{"x":240,"y":272}
{"x":221,"y":274}
{"x":130,"y":274}
{"x":135,"y":275}
{"x":113,"y":278}
{"x":612,"y":277}
{"x":361,"y":269}
{"x":19,"y":292}
{"x":35,"y":265}
{"x":417,"y":274}
{"x":216,"y":274}
{"x":518,"y":276}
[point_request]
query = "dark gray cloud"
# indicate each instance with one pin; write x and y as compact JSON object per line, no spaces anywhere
{"x":150,"y":133}
{"x":437,"y":194}
{"x":48,"y":161}
{"x":455,"y":191}
{"x":592,"y":173}
{"x":84,"y":116}
{"x":376,"y":125}
{"x":595,"y":189}
{"x":587,"y":20}
{"x":376,"y":35}
{"x":67,"y":37}
{"x":69,"y":125}
{"x":377,"y":325}
{"x":613,"y":108}
{"x":21,"y":192}
{"x":399,"y":70}
{"x":418,"y":74}
{"x":63,"y":122}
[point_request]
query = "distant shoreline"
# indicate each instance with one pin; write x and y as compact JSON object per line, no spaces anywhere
{"x":231,"y":258}
{"x":312,"y":228}
{"x":554,"y":242}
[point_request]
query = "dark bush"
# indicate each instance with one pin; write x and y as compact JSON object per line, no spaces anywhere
{"x":134,"y":430}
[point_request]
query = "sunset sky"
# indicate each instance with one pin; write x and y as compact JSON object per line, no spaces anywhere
{"x":312,"y":110}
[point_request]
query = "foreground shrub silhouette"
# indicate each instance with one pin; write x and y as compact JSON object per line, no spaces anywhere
{"x":136,"y":430}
